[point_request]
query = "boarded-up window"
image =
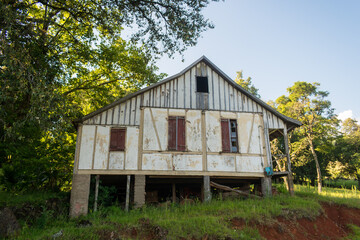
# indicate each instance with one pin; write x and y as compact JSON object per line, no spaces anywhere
{"x":117,"y":139}
{"x":176,"y":133}
{"x":229,"y":135}
{"x":202,"y":84}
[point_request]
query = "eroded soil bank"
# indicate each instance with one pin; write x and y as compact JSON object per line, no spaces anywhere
{"x":331,"y":224}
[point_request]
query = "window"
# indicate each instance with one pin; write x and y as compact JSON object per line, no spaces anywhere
{"x":229,"y":135}
{"x":202,"y":84}
{"x":176,"y":133}
{"x":117,"y":139}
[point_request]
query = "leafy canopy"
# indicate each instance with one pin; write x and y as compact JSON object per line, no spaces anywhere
{"x":62,"y":59}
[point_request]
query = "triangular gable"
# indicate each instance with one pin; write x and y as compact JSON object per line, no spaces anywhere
{"x":124,"y":110}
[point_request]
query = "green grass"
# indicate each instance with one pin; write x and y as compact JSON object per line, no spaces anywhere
{"x":356,"y":232}
{"x":341,"y":183}
{"x":37,"y":198}
{"x":196,"y":220}
{"x":350,"y":198}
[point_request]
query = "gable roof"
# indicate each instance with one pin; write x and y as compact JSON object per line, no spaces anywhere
{"x":290,"y":121}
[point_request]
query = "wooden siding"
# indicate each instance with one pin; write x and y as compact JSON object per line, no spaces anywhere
{"x":180,"y":93}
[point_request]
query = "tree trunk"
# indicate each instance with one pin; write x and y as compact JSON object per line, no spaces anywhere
{"x":317,"y":166}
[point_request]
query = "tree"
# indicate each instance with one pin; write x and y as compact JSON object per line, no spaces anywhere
{"x":62,"y":59}
{"x":309,"y":105}
{"x":345,"y":154}
{"x":246,"y":84}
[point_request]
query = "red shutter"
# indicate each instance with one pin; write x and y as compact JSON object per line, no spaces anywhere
{"x":225,"y":135}
{"x":181,"y":134}
{"x":172,"y":133}
{"x":121,"y":139}
{"x":117,"y":139}
{"x":113,"y":139}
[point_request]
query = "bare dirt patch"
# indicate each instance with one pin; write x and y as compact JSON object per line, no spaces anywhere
{"x":331,"y":224}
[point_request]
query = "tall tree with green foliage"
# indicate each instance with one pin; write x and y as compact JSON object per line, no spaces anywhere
{"x":306,"y":103}
{"x":345,"y":152}
{"x":246,"y":84}
{"x":62,"y":59}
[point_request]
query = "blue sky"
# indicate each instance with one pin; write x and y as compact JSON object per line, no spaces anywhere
{"x":278,"y":42}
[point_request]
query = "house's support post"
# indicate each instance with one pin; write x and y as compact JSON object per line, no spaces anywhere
{"x":97,"y":180}
{"x":173,"y":193}
{"x":266,"y":186}
{"x":139,"y":191}
{"x":287,"y":153}
{"x":79,"y":199}
{"x":207,"y":189}
{"x":127,"y":200}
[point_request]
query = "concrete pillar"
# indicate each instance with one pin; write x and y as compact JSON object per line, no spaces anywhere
{"x":79,"y":198}
{"x":207,"y":189}
{"x":139,"y":191}
{"x":266,"y":186}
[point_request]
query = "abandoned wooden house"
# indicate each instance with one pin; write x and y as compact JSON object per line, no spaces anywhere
{"x":173,"y":139}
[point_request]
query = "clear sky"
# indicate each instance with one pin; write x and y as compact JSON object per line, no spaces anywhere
{"x":278,"y":42}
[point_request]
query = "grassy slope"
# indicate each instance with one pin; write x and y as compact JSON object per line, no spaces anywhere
{"x":198,"y":220}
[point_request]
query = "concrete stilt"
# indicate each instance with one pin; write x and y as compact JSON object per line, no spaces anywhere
{"x":139,"y":191}
{"x":266,"y":186}
{"x":207,"y":189}
{"x":79,"y":199}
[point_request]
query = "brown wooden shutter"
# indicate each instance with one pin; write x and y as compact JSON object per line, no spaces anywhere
{"x":172,"y":133}
{"x":117,"y":139}
{"x":225,"y":135}
{"x":121,"y":140}
{"x":181,"y":134}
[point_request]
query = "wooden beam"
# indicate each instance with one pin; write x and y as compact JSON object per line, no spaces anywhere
{"x":203,"y":137}
{"x":287,"y":153}
{"x":173,"y":193}
{"x":97,"y":180}
{"x":127,"y":200}
{"x":226,"y":188}
{"x":141,"y":136}
{"x":172,"y":173}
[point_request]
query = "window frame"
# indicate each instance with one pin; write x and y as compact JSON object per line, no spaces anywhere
{"x":199,"y":78}
{"x":227,"y":136}
{"x":179,"y":137}
{"x":121,"y":145}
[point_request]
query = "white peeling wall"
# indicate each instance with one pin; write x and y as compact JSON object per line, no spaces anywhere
{"x":95,"y":145}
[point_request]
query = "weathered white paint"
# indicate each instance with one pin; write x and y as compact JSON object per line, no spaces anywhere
{"x":187,"y":162}
{"x":181,"y":92}
{"x":160,"y":118}
{"x":154,"y":161}
{"x":152,"y":135}
{"x":101,"y":147}
{"x":213,"y":131}
{"x":248,"y":133}
{"x":229,"y":115}
{"x":193,"y":131}
{"x":132,"y":142}
{"x":116,"y":160}
{"x":149,"y":139}
{"x":221,"y":163}
{"x":177,"y":112}
{"x":86,"y":147}
{"x":249,"y":164}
